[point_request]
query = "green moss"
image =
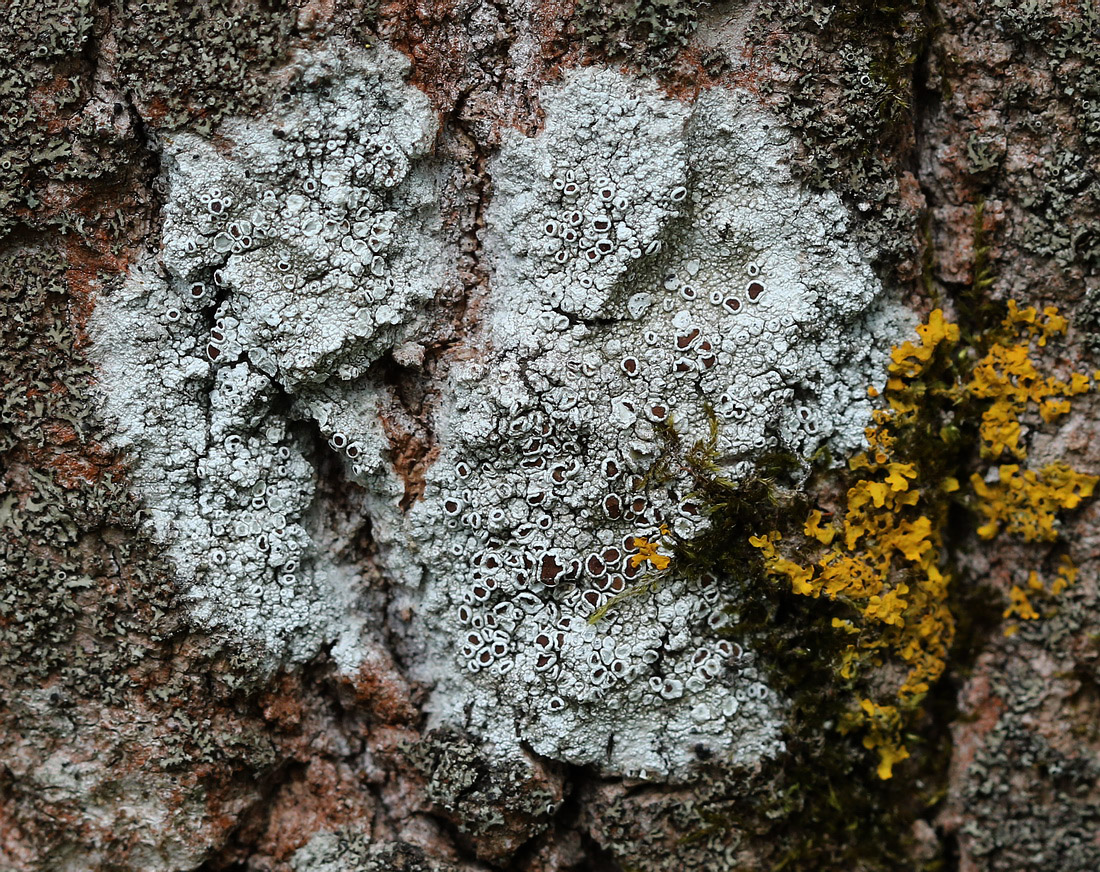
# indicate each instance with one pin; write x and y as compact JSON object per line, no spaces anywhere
{"x":979,"y":317}
{"x":821,"y":806}
{"x":735,"y":509}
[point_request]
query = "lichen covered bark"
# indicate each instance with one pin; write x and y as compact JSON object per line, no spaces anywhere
{"x":437,"y":436}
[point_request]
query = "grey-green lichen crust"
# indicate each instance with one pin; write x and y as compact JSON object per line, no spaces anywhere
{"x":648,"y":260}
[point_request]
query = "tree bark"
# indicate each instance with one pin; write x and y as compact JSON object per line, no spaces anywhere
{"x":430,"y":432}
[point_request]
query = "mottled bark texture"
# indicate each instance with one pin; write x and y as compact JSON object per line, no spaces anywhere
{"x":163,"y":709}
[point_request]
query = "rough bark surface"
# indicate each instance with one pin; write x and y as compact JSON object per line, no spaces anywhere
{"x":486,"y":603}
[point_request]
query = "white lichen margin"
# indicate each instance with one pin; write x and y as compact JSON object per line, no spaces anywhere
{"x":649,"y":259}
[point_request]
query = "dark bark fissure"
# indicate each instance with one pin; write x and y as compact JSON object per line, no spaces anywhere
{"x":942,"y":705}
{"x":568,"y":818}
{"x":976,"y":621}
{"x":410,"y":429}
{"x":252,"y":821}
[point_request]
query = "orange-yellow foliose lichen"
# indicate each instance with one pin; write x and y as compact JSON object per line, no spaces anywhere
{"x":883,"y":554}
{"x":648,"y":553}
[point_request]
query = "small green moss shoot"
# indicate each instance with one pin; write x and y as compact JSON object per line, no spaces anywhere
{"x":735,"y":509}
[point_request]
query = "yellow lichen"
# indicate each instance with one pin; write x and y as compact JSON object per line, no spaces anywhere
{"x":881,"y":724}
{"x":1020,"y":604}
{"x":882,"y":554}
{"x":648,"y":553}
{"x":1025,"y":503}
{"x":1021,"y":601}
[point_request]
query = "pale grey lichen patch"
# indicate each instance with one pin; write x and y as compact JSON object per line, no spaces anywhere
{"x":676,"y":235}
{"x":354,"y":851}
{"x":318,"y":223}
{"x":649,"y":260}
{"x":297,"y":249}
